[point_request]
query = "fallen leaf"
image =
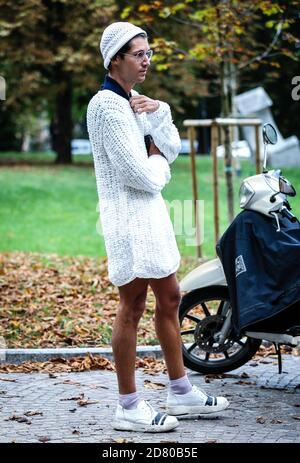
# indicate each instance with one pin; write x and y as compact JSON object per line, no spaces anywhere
{"x":79,"y":397}
{"x":151,"y":365}
{"x":121,"y":440}
{"x":96,"y":386}
{"x":8,"y":380}
{"x":260,"y":419}
{"x":44,"y":439}
{"x":33,"y":413}
{"x":19,"y":419}
{"x":68,"y":381}
{"x":151,"y":385}
{"x":84,"y":402}
{"x":76,"y":383}
{"x":245,"y":375}
{"x":245,"y":382}
{"x":220,"y":376}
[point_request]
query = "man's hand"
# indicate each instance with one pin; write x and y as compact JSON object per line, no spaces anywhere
{"x":153,"y":149}
{"x":142,"y":103}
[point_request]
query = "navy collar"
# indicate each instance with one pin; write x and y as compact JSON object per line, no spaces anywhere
{"x":111,"y":84}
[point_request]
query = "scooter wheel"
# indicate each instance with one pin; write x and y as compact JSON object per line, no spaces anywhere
{"x":202,"y":314}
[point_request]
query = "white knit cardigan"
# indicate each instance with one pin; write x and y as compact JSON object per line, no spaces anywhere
{"x":138,"y":233}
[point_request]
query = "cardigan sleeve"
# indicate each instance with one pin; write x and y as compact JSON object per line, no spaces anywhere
{"x":160,"y":126}
{"x":149,"y":174}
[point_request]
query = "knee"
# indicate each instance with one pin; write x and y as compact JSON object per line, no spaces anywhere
{"x":169,"y":303}
{"x":132,"y":312}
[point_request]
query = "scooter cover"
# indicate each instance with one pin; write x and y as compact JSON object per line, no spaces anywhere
{"x":262,"y":267}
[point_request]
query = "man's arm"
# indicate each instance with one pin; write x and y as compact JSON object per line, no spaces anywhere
{"x":150,"y":174}
{"x":159,"y":125}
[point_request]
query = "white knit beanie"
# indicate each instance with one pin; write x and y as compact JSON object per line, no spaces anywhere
{"x":114,"y":37}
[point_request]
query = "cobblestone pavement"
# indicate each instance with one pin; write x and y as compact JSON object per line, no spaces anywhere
{"x":265,"y":407}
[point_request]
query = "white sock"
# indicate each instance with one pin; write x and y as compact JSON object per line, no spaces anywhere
{"x":129,"y":401}
{"x":180,"y":385}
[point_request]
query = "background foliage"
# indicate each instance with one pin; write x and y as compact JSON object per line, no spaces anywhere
{"x":49,"y":56}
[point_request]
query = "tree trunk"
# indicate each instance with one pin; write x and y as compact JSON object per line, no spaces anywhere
{"x":225,"y":106}
{"x":62,"y":124}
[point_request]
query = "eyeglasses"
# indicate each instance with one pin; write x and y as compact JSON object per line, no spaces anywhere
{"x":140,"y":55}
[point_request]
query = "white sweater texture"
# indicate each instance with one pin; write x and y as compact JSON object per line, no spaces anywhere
{"x":138,"y":233}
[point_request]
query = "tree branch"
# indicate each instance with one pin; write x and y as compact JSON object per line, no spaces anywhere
{"x":268,"y":50}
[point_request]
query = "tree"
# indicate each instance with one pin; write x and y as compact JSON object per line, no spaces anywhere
{"x":48,"y":48}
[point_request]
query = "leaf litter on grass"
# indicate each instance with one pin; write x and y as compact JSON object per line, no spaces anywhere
{"x":48,"y":300}
{"x":54,"y":301}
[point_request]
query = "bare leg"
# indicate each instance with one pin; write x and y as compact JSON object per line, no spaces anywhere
{"x":132,"y":304}
{"x":167,"y":294}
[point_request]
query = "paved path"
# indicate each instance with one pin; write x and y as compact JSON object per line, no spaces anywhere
{"x":265,"y":407}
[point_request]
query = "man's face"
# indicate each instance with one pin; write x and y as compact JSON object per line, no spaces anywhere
{"x":130,"y":68}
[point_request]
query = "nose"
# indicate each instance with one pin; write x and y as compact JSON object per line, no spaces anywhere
{"x":147,"y":58}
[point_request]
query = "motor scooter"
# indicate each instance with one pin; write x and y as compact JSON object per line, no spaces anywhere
{"x":209,"y":342}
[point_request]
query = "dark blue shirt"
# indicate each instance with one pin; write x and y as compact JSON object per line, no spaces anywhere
{"x":111,"y":84}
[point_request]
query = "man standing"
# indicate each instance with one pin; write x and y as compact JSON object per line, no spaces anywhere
{"x":138,"y":233}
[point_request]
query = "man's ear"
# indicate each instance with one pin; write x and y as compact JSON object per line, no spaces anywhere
{"x":115,"y":59}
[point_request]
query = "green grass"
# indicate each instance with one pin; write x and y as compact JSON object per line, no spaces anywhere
{"x":52,"y":209}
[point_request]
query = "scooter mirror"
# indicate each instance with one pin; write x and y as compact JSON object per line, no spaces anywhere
{"x":269,"y":134}
{"x":270,"y":138}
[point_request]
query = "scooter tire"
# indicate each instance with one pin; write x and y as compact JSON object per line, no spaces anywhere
{"x":251,"y":345}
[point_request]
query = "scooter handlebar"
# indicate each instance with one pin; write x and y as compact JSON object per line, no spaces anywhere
{"x":286,"y":213}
